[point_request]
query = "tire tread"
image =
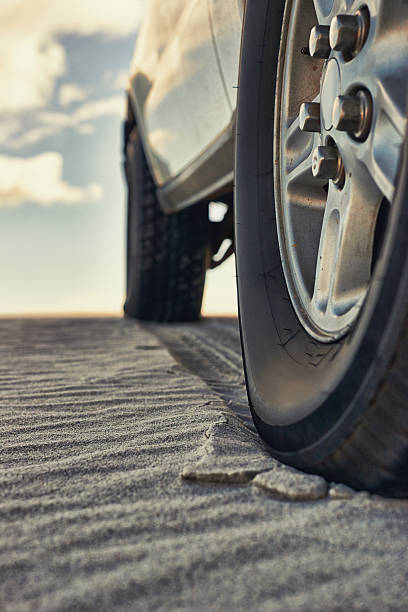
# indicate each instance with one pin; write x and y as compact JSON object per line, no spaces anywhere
{"x":375,"y":455}
{"x":166,"y":256}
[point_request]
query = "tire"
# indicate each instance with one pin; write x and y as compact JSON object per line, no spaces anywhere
{"x":336,"y":407}
{"x":166,"y":254}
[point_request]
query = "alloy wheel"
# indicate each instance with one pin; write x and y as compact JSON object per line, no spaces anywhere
{"x":340,"y":124}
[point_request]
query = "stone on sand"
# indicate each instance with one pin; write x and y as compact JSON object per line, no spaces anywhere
{"x":341,"y":491}
{"x":231,"y":453}
{"x":288,"y":484}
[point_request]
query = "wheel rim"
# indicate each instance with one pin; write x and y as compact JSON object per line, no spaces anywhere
{"x":338,"y":154}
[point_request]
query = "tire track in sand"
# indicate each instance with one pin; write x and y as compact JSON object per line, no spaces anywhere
{"x":211,"y":349}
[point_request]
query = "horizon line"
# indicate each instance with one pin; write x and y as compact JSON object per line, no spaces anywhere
{"x":94,"y":315}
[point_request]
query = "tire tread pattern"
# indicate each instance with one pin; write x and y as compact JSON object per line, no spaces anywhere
{"x":375,"y":455}
{"x":166,"y":254}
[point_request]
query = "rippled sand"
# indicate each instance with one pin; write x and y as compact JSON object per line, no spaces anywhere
{"x":132,"y":479}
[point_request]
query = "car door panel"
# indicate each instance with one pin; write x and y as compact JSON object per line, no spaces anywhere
{"x":226,"y":24}
{"x":179,"y":91}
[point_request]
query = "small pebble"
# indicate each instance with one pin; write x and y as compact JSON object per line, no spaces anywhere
{"x":341,"y":491}
{"x":291,"y":485}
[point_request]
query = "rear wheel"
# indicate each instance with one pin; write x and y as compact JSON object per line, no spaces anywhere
{"x":166,"y":254}
{"x":321,"y":235}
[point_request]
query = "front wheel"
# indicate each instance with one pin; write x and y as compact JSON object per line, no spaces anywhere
{"x":322,"y":235}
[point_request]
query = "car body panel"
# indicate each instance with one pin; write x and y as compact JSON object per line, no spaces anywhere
{"x":226,"y":23}
{"x":183,"y":93}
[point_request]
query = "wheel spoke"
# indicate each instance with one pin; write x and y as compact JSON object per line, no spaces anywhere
{"x":323,"y":9}
{"x":381,"y":152}
{"x":300,"y":169}
{"x":386,"y":147}
{"x":346,"y":245}
{"x":384,"y":71}
{"x":390,"y":124}
{"x":299,"y":151}
{"x":384,"y":64}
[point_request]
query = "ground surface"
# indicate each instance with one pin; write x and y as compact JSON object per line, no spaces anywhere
{"x":131,"y":479}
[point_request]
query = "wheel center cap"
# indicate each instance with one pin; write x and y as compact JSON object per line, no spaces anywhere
{"x":330,"y":90}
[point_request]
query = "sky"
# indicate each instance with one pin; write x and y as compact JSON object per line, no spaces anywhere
{"x":63,"y":73}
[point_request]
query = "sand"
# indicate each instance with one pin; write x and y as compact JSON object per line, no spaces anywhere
{"x":132,"y":479}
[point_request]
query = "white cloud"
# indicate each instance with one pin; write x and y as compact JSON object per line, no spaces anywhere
{"x":39,"y":179}
{"x":116,"y":79}
{"x":49,"y":123}
{"x":29,"y":137}
{"x":30,"y":67}
{"x":99,"y":108}
{"x":31,"y":57}
{"x":8,"y":129}
{"x":69,"y":93}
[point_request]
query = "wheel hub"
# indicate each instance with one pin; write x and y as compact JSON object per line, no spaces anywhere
{"x":333,"y":177}
{"x":331,"y":89}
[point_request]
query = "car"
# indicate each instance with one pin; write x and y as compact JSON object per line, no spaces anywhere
{"x":293,"y":115}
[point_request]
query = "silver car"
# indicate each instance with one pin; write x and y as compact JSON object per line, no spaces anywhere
{"x":293,"y":114}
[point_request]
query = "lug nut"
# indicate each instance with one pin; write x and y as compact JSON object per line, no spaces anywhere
{"x":347,"y":116}
{"x":353,"y":114}
{"x":349,"y":32}
{"x":319,"y":45}
{"x":326,"y":163}
{"x":309,"y":117}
